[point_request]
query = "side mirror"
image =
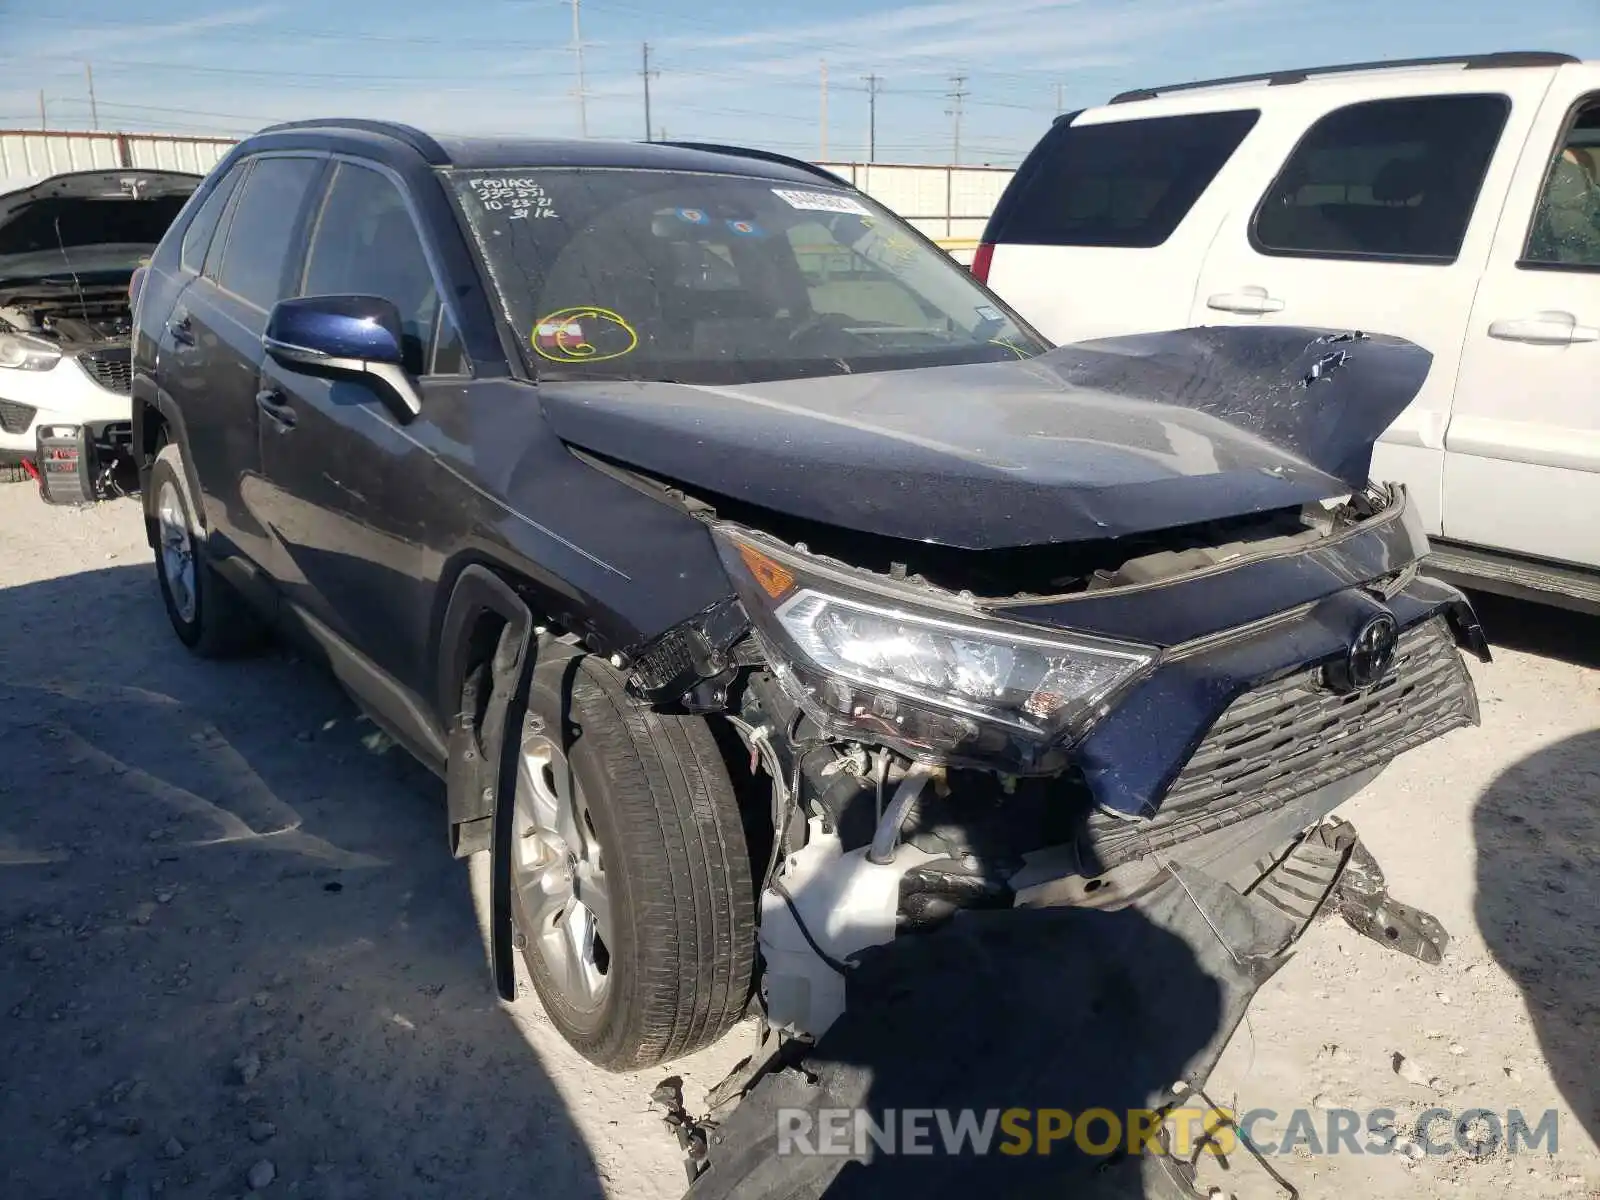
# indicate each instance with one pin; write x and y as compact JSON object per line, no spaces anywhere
{"x":345,"y":337}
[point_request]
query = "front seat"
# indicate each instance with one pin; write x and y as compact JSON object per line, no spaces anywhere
{"x":1566,"y":227}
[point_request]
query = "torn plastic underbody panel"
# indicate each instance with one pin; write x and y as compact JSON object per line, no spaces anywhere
{"x":1052,"y":1006}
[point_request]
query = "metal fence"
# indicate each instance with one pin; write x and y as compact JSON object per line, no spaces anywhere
{"x":27,"y":157}
{"x":949,"y":204}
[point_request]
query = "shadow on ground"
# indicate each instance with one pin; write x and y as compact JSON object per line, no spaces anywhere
{"x":1065,"y":1011}
{"x":232,"y":934}
{"x":1537,"y":831}
{"x":1539,"y":629}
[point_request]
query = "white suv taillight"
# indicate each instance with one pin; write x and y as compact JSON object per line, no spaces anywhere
{"x":981,"y":260}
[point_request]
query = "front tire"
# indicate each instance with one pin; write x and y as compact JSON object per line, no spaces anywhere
{"x":630,"y":881}
{"x":207,"y":614}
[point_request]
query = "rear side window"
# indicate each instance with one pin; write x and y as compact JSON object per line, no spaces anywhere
{"x":197,"y":238}
{"x":1128,"y":183}
{"x":261,"y":231}
{"x":1387,"y":179}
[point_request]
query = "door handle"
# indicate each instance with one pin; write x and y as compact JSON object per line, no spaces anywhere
{"x":271,"y":402}
{"x":1245,"y":300}
{"x":1544,"y":329}
{"x":180,"y":329}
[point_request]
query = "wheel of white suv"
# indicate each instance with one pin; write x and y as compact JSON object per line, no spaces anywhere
{"x":631,"y":883}
{"x":207,"y":614}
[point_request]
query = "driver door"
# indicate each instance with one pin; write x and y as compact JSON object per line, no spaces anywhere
{"x":343,"y":474}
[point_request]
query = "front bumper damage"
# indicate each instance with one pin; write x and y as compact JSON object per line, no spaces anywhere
{"x":1059,"y":1006}
{"x":1276,"y":762}
{"x":1088,"y":939}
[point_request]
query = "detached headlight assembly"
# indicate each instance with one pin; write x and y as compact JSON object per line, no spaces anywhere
{"x":23,"y":353}
{"x":884,"y":662}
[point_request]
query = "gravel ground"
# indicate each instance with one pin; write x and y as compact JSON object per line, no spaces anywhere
{"x":238,"y":959}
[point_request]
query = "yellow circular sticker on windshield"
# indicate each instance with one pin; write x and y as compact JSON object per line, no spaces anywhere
{"x":583,"y":334}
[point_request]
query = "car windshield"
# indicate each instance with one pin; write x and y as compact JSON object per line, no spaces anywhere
{"x":705,"y":278}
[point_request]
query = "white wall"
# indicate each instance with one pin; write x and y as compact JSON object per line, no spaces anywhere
{"x":949,"y":204}
{"x":29,"y":157}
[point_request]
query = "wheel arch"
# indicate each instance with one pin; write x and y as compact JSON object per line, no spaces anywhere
{"x":155,"y":423}
{"x":486,"y":645}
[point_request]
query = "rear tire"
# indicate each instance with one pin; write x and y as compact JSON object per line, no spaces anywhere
{"x":653,"y":835}
{"x":207,"y":614}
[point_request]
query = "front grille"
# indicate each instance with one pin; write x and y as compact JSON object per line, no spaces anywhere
{"x":111,"y":369}
{"x":1291,"y":737}
{"x":14,"y":417}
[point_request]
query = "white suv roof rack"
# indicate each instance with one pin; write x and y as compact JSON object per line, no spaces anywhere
{"x":1470,"y":62}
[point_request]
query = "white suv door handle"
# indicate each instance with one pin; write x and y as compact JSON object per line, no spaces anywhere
{"x":1245,"y":300}
{"x":1544,"y":329}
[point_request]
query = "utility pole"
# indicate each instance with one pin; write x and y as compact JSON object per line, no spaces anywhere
{"x":94,"y":110}
{"x":872,"y":82}
{"x":577,"y":51}
{"x":44,"y":122}
{"x":1061,"y":103}
{"x":647,"y":73}
{"x":956,"y":94}
{"x":824,"y":155}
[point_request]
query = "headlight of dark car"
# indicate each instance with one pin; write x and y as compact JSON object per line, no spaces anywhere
{"x":909,"y":667}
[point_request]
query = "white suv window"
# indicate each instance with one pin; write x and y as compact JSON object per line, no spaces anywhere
{"x":1386,"y":179}
{"x":1124,"y":183}
{"x":1566,"y":224}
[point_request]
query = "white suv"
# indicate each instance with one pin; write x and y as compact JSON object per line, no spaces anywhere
{"x":69,"y":246}
{"x":1452,"y":202}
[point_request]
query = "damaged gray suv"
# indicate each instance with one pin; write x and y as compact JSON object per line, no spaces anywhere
{"x":767,"y":594}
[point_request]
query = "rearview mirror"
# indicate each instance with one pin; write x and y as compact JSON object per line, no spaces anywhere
{"x":345,"y":337}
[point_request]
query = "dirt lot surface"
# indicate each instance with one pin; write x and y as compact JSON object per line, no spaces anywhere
{"x":237,"y":958}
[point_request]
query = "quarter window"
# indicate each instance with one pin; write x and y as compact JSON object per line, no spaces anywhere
{"x":261,"y":231}
{"x":1125,"y":183}
{"x":1389,"y":179}
{"x":1566,"y":221}
{"x":366,"y":244}
{"x":449,"y":357}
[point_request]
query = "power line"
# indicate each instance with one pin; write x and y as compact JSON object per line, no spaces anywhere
{"x":957,"y":95}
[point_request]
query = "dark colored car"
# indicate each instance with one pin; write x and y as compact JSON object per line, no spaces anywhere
{"x":755,"y":578}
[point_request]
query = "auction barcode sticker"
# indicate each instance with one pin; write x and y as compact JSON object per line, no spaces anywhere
{"x":821,"y":201}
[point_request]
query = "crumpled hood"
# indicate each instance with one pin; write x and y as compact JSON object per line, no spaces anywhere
{"x":1092,"y":440}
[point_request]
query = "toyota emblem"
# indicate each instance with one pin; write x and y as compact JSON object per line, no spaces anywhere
{"x":1369,"y":658}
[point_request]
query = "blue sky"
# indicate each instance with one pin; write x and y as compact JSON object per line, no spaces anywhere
{"x":730,"y":71}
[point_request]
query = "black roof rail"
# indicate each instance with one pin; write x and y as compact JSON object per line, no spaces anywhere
{"x":421,"y":142}
{"x":1471,"y":62}
{"x":760,"y":156}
